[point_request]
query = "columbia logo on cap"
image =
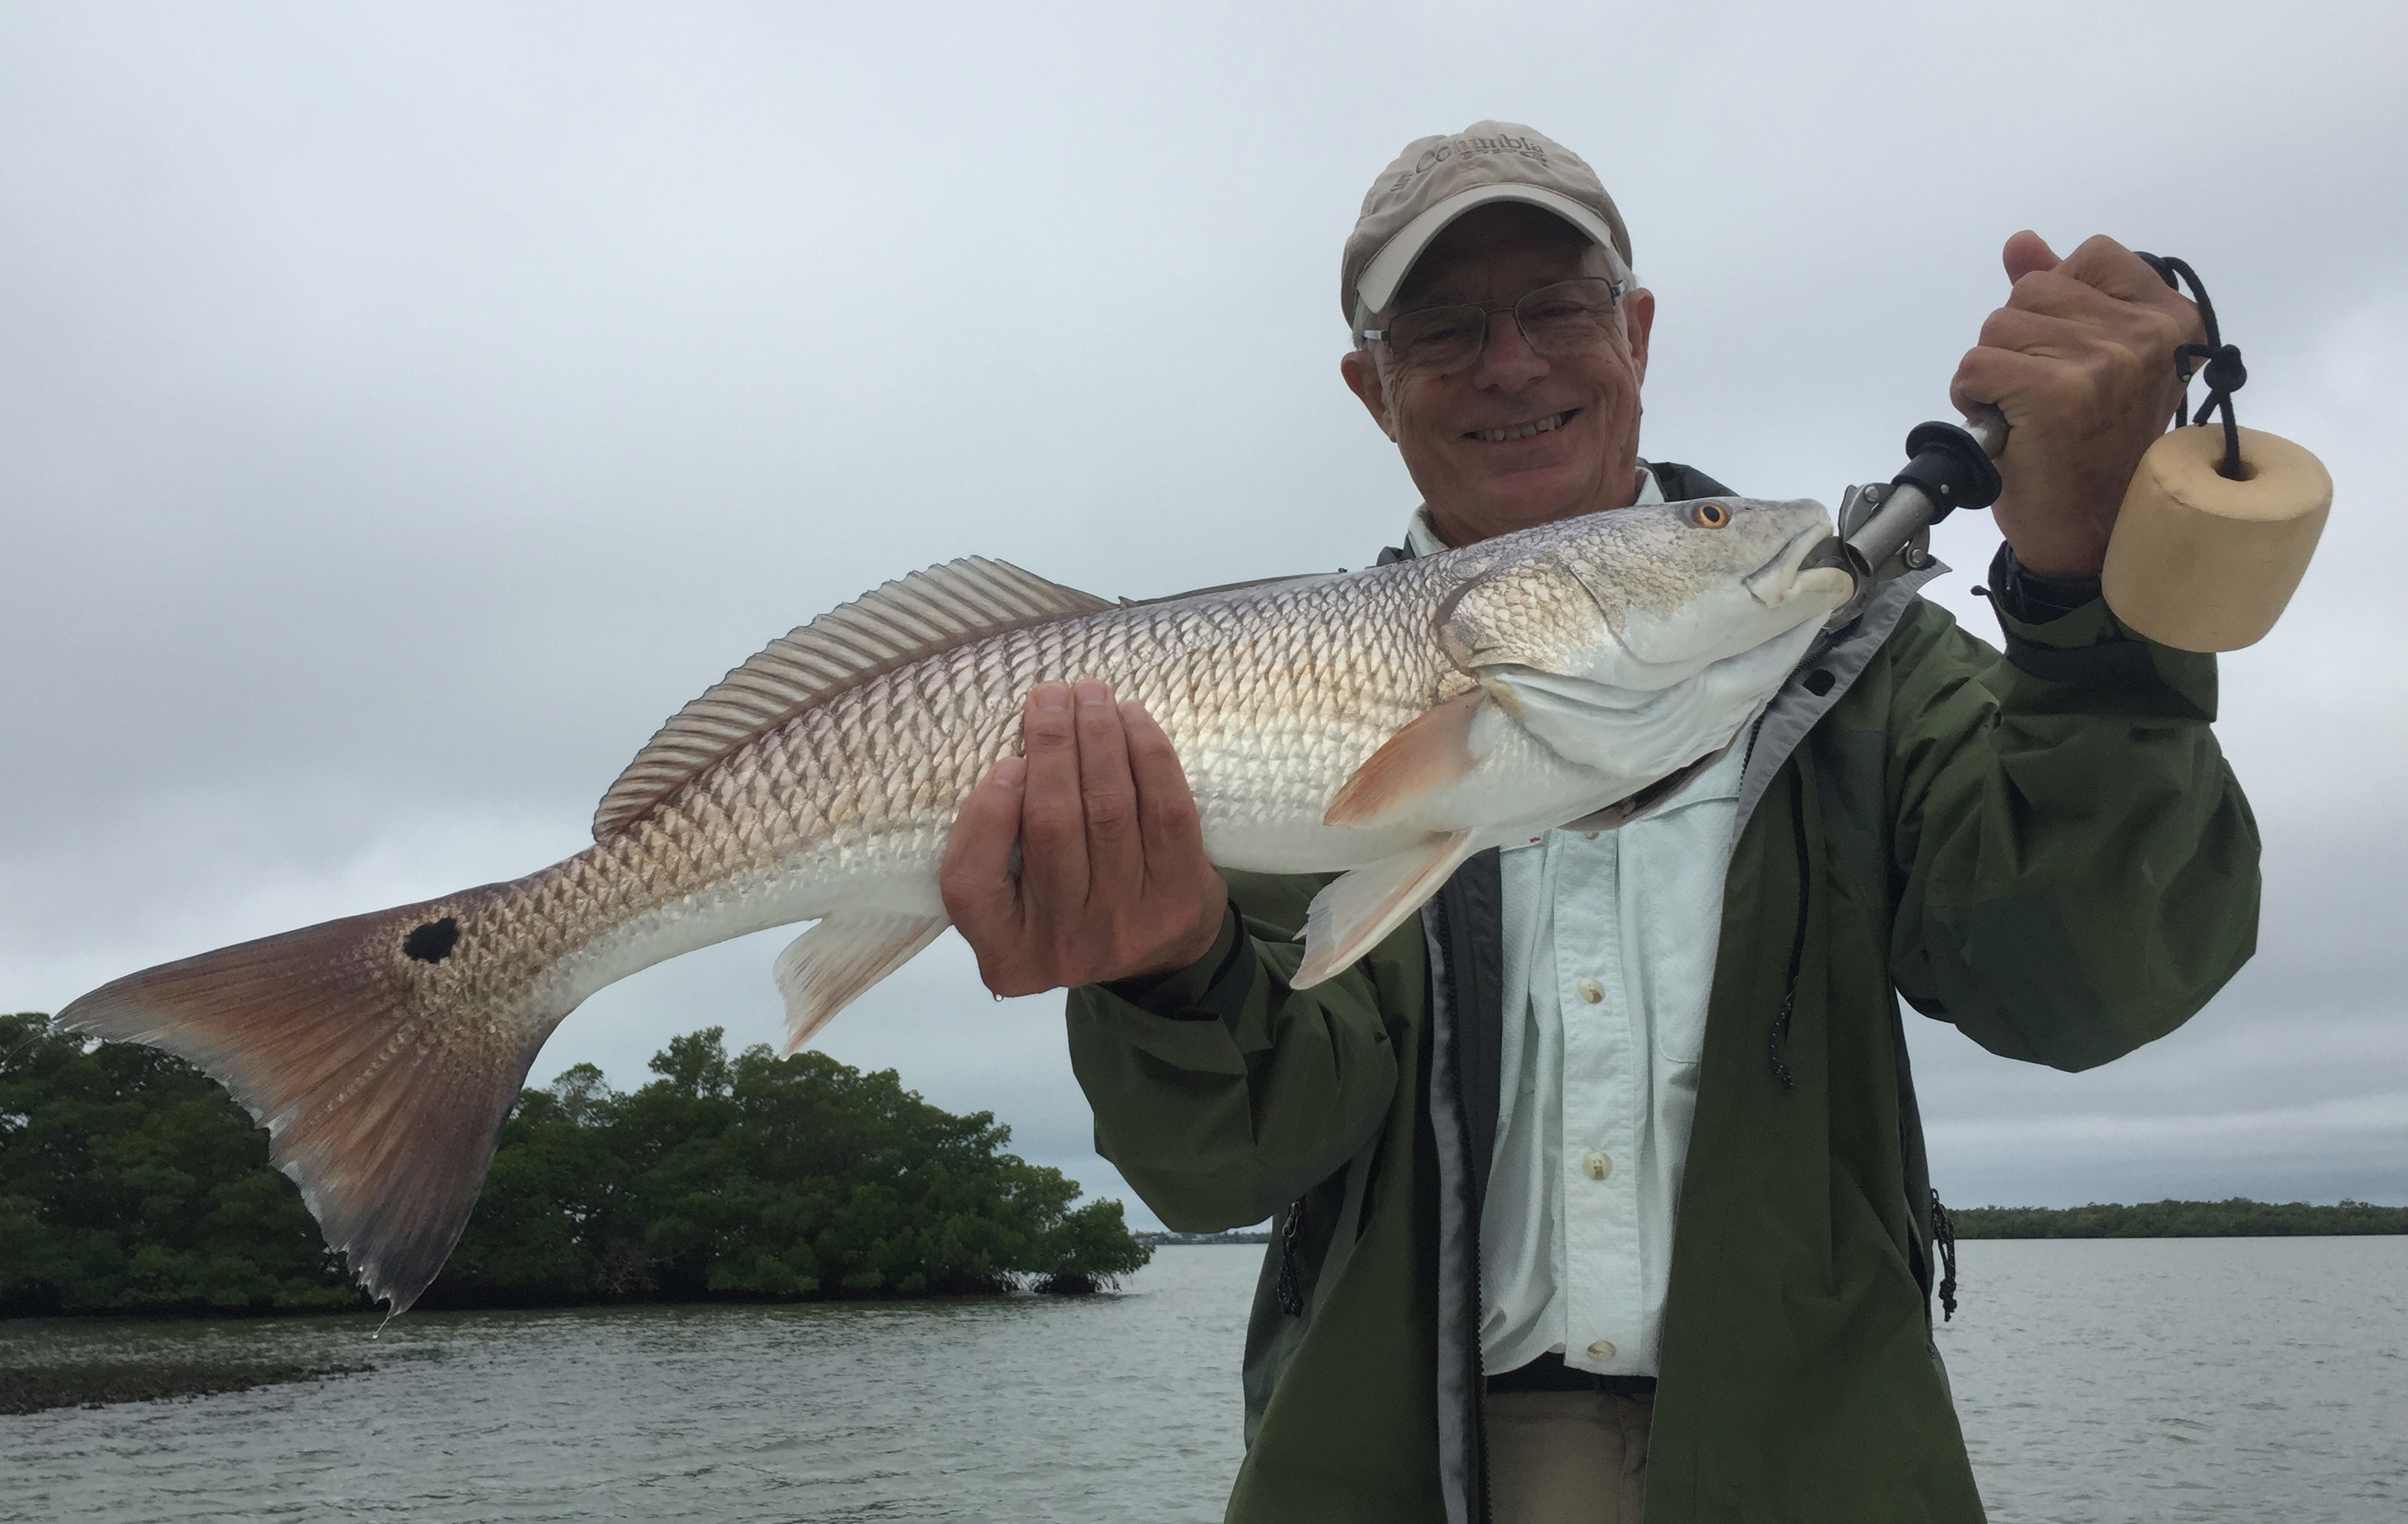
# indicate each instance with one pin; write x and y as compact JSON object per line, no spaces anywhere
{"x":1468,"y":148}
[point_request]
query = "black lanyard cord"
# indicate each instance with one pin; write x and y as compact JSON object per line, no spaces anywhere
{"x":2223,"y":372}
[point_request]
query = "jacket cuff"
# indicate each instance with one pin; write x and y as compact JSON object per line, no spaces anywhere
{"x":2030,"y":598}
{"x":1213,"y":988}
{"x":2060,"y":631}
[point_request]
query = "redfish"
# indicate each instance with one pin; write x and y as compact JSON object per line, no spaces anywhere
{"x":1385,"y":724}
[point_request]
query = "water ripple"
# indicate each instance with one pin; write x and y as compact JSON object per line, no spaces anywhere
{"x":2197,"y":1381}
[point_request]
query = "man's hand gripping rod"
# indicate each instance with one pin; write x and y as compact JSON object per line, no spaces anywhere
{"x":2216,"y":530}
{"x":2199,"y":561}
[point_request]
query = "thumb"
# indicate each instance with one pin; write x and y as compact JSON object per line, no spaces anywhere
{"x":2027,"y":253}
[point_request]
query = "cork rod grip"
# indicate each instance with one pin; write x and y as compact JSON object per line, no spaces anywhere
{"x":2203,"y":563}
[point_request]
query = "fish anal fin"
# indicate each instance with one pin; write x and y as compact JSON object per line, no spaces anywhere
{"x":833,"y":963}
{"x":1431,"y":753}
{"x":1355,"y":909}
{"x":896,"y":624}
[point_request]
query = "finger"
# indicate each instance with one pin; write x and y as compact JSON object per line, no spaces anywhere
{"x":2083,"y":367}
{"x":975,"y":879}
{"x":1053,"y":832}
{"x":2026,"y":254}
{"x":2029,"y":331}
{"x":2110,"y":268}
{"x":2151,"y":324}
{"x":1172,"y":829}
{"x":2025,"y":387}
{"x":1116,"y":856}
{"x":2135,"y":353}
{"x":2057,"y":293}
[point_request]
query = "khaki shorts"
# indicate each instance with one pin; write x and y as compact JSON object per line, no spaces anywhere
{"x":1567,"y":1458}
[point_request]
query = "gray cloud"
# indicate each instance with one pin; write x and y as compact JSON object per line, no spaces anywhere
{"x":401,"y":413}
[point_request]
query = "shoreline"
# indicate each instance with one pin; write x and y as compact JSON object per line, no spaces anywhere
{"x":103,"y":1383}
{"x":2235,"y":1217}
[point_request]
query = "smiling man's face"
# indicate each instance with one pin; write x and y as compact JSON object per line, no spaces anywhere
{"x":1515,"y":439}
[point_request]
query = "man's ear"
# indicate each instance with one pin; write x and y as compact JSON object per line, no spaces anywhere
{"x":1363,"y":380}
{"x":1638,"y":320}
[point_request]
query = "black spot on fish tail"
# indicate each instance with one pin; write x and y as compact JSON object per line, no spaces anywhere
{"x":429,"y":943}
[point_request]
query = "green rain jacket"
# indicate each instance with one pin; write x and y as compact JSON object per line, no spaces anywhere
{"x":2043,"y":846}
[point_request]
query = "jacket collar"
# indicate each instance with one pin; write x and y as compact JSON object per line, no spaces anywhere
{"x":1420,"y":536}
{"x":1830,"y":668}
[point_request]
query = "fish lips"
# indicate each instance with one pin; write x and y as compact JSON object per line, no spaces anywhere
{"x":1812,"y":571}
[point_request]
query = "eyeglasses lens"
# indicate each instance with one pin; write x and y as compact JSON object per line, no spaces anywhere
{"x":1562,"y":319}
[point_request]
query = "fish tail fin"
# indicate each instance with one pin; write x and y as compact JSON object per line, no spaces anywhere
{"x":370,"y":1050}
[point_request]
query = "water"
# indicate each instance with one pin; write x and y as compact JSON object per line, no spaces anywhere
{"x":2173,"y":1380}
{"x":2184,"y":1379}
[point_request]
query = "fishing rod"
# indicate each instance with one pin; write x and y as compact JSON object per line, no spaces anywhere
{"x":2217,"y":529}
{"x":1886,"y":527}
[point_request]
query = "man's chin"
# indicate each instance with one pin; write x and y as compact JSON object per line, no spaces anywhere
{"x":1523,"y":498}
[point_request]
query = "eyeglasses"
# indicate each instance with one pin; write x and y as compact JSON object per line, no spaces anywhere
{"x":1554,"y":321}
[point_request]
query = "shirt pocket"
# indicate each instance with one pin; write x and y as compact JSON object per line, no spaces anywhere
{"x":1678,"y":1032}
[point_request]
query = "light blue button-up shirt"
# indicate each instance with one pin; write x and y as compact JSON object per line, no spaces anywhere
{"x":1610,"y":940}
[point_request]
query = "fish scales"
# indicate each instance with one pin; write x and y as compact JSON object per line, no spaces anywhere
{"x":1271,"y":696}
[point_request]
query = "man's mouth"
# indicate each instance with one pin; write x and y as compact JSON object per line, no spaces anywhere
{"x":1521,"y":431}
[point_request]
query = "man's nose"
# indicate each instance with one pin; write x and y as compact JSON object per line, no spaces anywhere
{"x":1507,"y":360}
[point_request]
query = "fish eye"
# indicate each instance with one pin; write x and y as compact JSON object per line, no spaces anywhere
{"x":1710,"y":515}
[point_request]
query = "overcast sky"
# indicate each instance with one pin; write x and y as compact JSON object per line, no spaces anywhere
{"x":404,"y":409}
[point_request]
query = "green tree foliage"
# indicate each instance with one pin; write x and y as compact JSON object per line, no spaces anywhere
{"x":2234,"y":1218}
{"x":764,"y":1178}
{"x":128,"y":1181}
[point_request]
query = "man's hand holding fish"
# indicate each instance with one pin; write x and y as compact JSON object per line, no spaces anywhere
{"x":1114,"y":883}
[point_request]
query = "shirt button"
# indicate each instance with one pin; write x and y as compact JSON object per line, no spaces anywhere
{"x":1590,"y":991}
{"x":1588,"y":836}
{"x":1596,"y":1164}
{"x":1601,"y":1350}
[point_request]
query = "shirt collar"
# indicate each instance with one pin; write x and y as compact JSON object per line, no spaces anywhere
{"x":1422,"y":540}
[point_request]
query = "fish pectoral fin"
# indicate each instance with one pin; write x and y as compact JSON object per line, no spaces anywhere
{"x":1431,"y":753}
{"x":830,"y":966}
{"x":1355,"y":909}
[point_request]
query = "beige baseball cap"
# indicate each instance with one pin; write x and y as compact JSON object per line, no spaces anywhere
{"x":1437,"y":179}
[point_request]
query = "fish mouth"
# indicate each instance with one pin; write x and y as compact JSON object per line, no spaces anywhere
{"x":1813,"y":566}
{"x":1523,"y":430}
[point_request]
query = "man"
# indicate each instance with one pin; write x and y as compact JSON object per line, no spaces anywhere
{"x":1601,"y":1186}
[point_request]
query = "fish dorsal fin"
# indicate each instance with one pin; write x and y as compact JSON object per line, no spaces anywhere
{"x":898,"y":624}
